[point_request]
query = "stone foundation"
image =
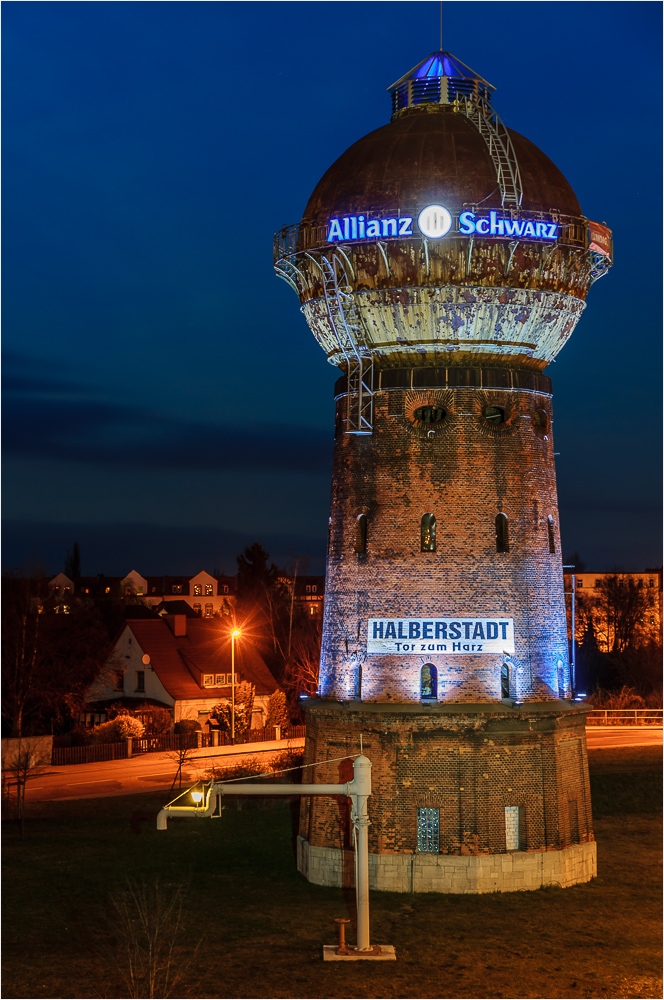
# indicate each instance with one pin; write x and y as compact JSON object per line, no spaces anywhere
{"x":513,"y":871}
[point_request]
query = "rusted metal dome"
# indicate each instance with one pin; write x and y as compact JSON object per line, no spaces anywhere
{"x":431,"y":154}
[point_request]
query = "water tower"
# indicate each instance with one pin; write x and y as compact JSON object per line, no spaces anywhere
{"x":441,"y":263}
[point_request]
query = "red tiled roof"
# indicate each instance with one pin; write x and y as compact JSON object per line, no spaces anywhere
{"x":205,"y":649}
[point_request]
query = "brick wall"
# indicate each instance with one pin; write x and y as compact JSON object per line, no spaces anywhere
{"x":468,"y":763}
{"x":465,"y":472}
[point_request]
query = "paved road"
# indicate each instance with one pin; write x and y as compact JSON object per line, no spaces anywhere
{"x":145,"y":773}
{"x":155,"y":772}
{"x":603,"y":737}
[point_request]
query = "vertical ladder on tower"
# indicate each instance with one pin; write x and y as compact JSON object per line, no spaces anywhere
{"x":347,"y":329}
{"x":498,"y":141}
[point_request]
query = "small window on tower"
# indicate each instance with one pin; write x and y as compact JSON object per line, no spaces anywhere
{"x":494,"y":414}
{"x":428,"y":831}
{"x":361,"y":533}
{"x":428,"y":533}
{"x":512,"y":828}
{"x":552,"y":537}
{"x":429,"y":415}
{"x":502,"y":533}
{"x":428,"y":682}
{"x":505,"y":681}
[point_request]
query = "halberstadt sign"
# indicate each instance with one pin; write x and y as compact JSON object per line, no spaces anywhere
{"x":441,"y":635}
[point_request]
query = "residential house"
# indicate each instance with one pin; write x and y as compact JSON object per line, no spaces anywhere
{"x":181,"y":663}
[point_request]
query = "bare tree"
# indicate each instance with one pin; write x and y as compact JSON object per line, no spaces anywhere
{"x":151,"y":955}
{"x":23,"y":758}
{"x":620,"y":611}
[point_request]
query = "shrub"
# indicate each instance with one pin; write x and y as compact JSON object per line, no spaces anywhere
{"x":186,"y":726}
{"x":119,"y":728}
{"x":277,"y":711}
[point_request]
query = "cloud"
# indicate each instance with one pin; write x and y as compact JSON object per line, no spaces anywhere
{"x":44,"y":417}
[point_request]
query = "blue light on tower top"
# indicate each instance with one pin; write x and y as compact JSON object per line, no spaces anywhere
{"x":438,"y":79}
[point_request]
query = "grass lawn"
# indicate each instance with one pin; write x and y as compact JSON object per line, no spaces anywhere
{"x":264,"y":925}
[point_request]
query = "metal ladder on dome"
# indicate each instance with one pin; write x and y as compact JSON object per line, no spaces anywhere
{"x":497,"y":138}
{"x":347,"y":329}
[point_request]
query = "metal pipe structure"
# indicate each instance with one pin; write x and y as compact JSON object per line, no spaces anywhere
{"x":358,"y":790}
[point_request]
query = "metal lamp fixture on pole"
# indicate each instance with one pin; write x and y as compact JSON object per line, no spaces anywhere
{"x":234,"y":635}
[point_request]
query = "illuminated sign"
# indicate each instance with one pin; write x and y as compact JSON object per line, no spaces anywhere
{"x":455,"y":636}
{"x":599,"y":239}
{"x":493,"y":224}
{"x":435,"y":221}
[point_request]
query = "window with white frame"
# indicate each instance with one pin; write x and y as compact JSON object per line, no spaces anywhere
{"x":208,"y":680}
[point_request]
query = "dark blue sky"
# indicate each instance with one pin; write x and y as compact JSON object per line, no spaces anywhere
{"x":164,"y":401}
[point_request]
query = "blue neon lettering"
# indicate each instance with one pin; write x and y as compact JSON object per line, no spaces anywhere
{"x":360,"y":226}
{"x":466,"y":224}
{"x":513,"y":227}
{"x":389,"y":224}
{"x":496,"y":226}
{"x":335,"y":231}
{"x":373,"y":228}
{"x":405,"y":227}
{"x":353,"y":227}
{"x":553,"y":231}
{"x":346,"y":228}
{"x":529,"y":229}
{"x":484,"y":223}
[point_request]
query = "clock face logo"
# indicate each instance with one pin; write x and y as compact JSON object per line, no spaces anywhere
{"x":434,"y":221}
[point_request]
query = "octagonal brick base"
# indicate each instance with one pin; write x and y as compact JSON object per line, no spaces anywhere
{"x":512,"y":871}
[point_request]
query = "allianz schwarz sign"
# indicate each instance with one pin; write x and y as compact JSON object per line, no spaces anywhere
{"x":459,"y":636}
{"x":435,"y":221}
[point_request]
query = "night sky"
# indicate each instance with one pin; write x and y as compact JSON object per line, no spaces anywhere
{"x":164,"y":401}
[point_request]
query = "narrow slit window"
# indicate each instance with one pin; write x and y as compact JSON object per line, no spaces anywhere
{"x":502,"y":533}
{"x":428,"y":533}
{"x":552,"y":537}
{"x":428,"y":831}
{"x":361,"y":533}
{"x":428,"y":682}
{"x":505,"y":681}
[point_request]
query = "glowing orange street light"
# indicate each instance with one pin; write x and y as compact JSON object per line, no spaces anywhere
{"x":235,"y":634}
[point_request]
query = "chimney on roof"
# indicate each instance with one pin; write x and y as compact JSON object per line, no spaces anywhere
{"x":178,"y":624}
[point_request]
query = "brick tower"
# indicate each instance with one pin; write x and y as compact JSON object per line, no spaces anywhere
{"x":442,"y":262}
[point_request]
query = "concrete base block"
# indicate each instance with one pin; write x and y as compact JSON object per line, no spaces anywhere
{"x":385,"y":954}
{"x":514,"y":871}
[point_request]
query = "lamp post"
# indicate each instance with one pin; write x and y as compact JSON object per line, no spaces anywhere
{"x":572,"y":592}
{"x":234,"y":635}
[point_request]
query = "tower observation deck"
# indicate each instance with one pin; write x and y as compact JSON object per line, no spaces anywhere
{"x":441,"y":263}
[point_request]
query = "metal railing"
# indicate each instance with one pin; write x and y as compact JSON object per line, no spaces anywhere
{"x":625,"y":717}
{"x":98,"y":752}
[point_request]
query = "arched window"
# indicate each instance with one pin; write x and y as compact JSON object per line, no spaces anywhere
{"x":505,"y":681}
{"x":502,"y":533}
{"x":361,"y":533}
{"x":552,"y":537}
{"x":428,"y":533}
{"x":428,"y":682}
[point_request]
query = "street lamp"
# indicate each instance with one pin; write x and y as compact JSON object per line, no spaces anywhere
{"x":235,"y":634}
